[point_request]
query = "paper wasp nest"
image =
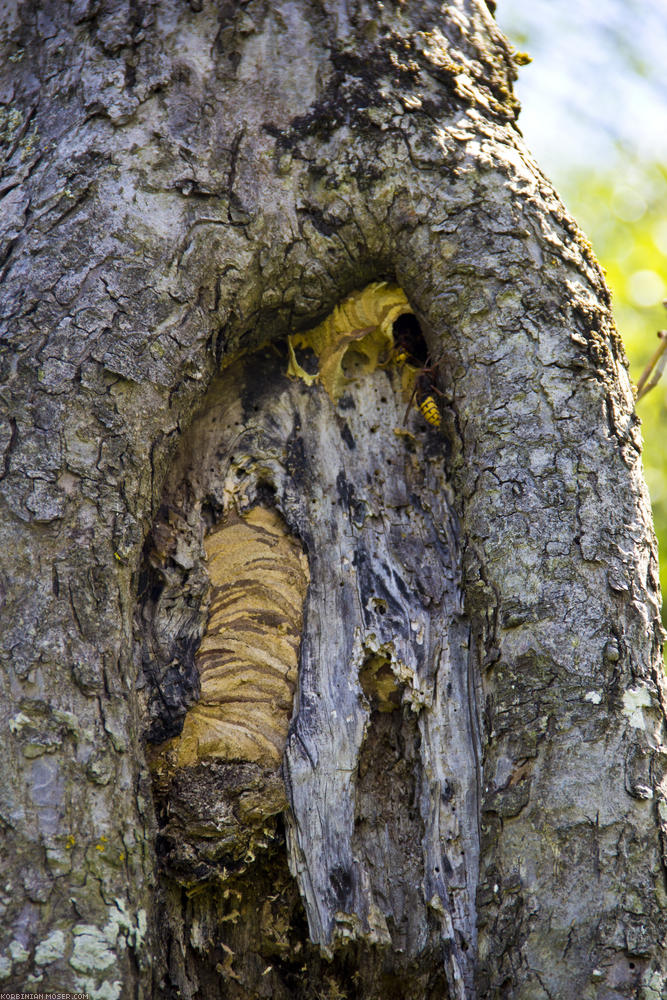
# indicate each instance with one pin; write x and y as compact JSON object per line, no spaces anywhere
{"x":357,"y":337}
{"x":248,"y":657}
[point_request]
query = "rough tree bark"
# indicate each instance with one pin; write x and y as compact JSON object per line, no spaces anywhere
{"x":185,"y":186}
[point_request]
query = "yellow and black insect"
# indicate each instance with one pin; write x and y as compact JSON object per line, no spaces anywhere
{"x":410,"y":350}
{"x":430,"y":411}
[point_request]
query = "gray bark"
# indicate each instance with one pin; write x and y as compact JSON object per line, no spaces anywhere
{"x":183,"y":183}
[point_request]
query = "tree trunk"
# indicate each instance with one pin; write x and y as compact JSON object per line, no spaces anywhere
{"x":332,"y":664}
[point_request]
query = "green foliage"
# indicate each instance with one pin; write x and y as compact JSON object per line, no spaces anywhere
{"x":623,"y":211}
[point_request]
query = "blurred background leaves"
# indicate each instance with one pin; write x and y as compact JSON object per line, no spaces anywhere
{"x":594,"y":113}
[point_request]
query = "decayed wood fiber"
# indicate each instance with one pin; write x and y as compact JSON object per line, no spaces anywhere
{"x":380,"y":774}
{"x":248,"y":656}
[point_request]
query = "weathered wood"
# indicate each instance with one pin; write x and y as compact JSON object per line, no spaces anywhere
{"x":384,"y":676}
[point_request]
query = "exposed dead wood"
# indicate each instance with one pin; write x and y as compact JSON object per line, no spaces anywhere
{"x":381,"y":764}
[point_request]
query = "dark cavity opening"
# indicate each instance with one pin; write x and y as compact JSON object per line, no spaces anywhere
{"x":408,"y":336}
{"x":307,"y":358}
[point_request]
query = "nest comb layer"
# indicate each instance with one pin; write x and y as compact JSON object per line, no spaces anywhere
{"x":360,"y":327}
{"x":248,"y":657}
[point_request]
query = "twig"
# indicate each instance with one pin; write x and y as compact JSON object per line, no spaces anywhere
{"x":656,"y":366}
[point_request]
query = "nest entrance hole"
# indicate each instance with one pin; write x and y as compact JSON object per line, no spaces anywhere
{"x":408,"y":337}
